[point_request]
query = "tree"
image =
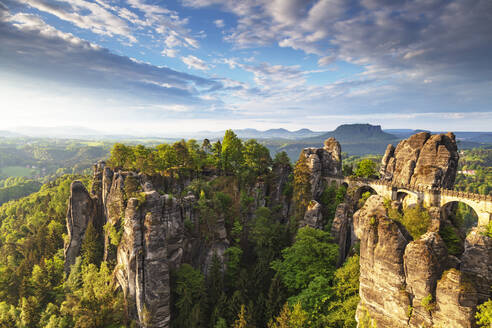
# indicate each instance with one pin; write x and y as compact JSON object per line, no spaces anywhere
{"x":281,"y":158}
{"x":91,"y":249}
{"x":366,"y":168}
{"x":290,"y":318}
{"x":94,"y":304}
{"x":121,"y":156}
{"x":312,"y":255}
{"x":242,"y":319}
{"x":302,"y":186}
{"x":484,"y":314}
{"x":232,"y":152}
{"x":190,"y":297}
{"x":256,"y":157}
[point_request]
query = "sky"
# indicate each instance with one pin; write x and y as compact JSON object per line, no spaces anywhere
{"x":157,"y":67}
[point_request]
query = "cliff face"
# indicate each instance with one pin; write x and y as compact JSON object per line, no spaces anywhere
{"x":322,"y":162}
{"x":416,"y":283}
{"x":422,"y":160}
{"x":147,"y":232}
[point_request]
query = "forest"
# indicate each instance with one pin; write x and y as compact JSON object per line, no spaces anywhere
{"x":276,"y":274}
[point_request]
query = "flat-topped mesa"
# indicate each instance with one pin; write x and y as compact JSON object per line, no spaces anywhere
{"x":422,"y":160}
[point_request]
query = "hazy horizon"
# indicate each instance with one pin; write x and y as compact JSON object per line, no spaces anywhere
{"x":146,"y":67}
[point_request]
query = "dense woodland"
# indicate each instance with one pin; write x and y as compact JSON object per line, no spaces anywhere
{"x":276,"y":276}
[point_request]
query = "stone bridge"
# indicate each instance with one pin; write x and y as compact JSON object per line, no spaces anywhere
{"x":426,"y":196}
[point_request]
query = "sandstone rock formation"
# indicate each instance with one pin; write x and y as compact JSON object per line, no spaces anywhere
{"x":323,"y":162}
{"x":342,"y":231}
{"x":313,"y":217}
{"x":82,"y":210}
{"x":415,"y":283}
{"x":143,"y":263}
{"x":147,"y":232}
{"x":422,"y":160}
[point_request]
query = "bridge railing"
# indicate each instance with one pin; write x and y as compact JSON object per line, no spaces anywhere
{"x":419,"y":188}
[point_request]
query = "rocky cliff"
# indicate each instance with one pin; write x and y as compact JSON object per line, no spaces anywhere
{"x":147,"y":232}
{"x":322,"y":163}
{"x":416,"y":283}
{"x":422,"y":160}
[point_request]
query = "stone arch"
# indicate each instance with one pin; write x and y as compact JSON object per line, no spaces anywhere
{"x":407,"y":198}
{"x":360,"y":191}
{"x":449,"y":209}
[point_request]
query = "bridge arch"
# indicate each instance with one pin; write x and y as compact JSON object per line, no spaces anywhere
{"x":407,"y":198}
{"x":360,"y":194}
{"x":461,"y":212}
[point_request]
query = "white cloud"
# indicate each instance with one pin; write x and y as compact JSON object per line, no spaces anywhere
{"x":194,"y":62}
{"x":86,"y":15}
{"x":170,"y":52}
{"x":219,"y":23}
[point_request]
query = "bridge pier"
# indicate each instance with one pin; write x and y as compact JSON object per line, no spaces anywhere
{"x":484,"y":218}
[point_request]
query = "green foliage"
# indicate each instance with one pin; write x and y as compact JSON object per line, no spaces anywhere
{"x":330,"y":199}
{"x":91,"y":249}
{"x":332,"y":302}
{"x":302,"y":187}
{"x":311,"y":255}
{"x":290,"y":318}
{"x":17,"y":187}
{"x":484,"y":314}
{"x":416,"y":220}
{"x":281,"y":158}
{"x":256,"y":157}
{"x":94,"y":303}
{"x":232,"y":152}
{"x":452,"y":240}
{"x":189,"y":287}
{"x":428,"y":303}
{"x":363,"y":198}
{"x":366,"y":168}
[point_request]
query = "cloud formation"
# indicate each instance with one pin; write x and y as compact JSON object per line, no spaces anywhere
{"x":35,"y":49}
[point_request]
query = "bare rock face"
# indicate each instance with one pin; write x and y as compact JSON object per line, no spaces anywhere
{"x":415,"y":283}
{"x":323,"y":162}
{"x":382,"y":274}
{"x":476,"y":262}
{"x":422,"y":160}
{"x":456,"y":299}
{"x":81,"y":210}
{"x":143,"y":263}
{"x":422,"y":260}
{"x":277,"y":194}
{"x":313,"y":217}
{"x":341,"y":231}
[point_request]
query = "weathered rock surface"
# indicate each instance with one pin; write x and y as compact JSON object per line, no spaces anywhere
{"x":82,"y":209}
{"x":323,"y":162}
{"x":342,"y":231}
{"x":476,"y":262}
{"x":415,"y":283}
{"x":143,"y":263}
{"x":382,"y":274}
{"x":423,"y":267}
{"x":313,"y":217}
{"x":422,"y":160}
{"x":456,"y":299}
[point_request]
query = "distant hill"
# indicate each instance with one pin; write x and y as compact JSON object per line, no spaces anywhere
{"x":257,"y":134}
{"x":355,"y":139}
{"x":356,"y":133}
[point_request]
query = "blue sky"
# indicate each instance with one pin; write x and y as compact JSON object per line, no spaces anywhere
{"x":148,"y":66}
